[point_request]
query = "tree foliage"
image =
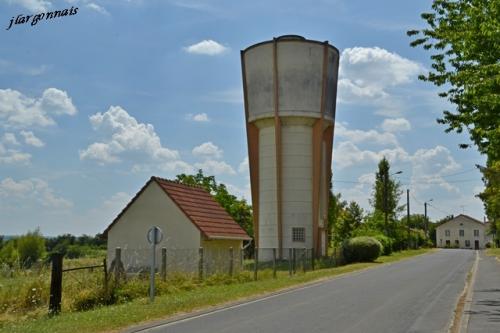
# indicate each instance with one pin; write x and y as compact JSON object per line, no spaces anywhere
{"x":238,"y":209}
{"x":464,"y":38}
{"x":386,"y":192}
{"x":31,"y":248}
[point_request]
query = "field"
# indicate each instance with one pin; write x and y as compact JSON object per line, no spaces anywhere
{"x":88,"y":307}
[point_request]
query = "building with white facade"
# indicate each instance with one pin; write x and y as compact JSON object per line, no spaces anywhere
{"x":463,"y":232}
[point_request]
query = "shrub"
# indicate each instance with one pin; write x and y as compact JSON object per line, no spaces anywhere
{"x":488,"y":245}
{"x":9,"y":254}
{"x":361,"y":249}
{"x":386,"y":244}
{"x":31,"y":247}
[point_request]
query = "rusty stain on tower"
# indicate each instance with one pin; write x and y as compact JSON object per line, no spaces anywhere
{"x":290,"y":88}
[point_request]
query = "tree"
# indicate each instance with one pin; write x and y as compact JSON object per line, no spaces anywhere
{"x":386,"y":194}
{"x":9,"y":254}
{"x":31,"y":247}
{"x":464,"y":38}
{"x":336,"y":210}
{"x":350,"y":220}
{"x":238,"y":209}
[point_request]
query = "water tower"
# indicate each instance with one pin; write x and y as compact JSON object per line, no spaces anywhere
{"x":290,"y":88}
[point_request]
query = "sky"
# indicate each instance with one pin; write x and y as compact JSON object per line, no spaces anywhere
{"x":95,"y":103}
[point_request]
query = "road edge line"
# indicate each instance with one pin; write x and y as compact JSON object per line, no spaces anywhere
{"x":461,"y":315}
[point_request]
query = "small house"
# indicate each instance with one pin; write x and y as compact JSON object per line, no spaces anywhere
{"x":189,"y":218}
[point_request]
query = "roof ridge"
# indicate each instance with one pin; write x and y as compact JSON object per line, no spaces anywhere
{"x":175,"y":181}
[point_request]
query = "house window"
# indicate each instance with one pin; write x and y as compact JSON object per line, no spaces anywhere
{"x":461,"y":232}
{"x":467,"y":243}
{"x":298,"y":234}
{"x":457,"y":243}
{"x":476,"y":233}
{"x":447,"y":233}
{"x":448,"y":243}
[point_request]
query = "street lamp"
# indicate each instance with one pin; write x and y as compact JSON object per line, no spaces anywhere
{"x":426,"y":220}
{"x":386,"y":183}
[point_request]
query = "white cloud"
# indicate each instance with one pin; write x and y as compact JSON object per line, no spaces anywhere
{"x":215,"y":167}
{"x":230,"y":96}
{"x":243,"y":167}
{"x":31,"y":139}
{"x":206,"y":47}
{"x":11,"y":67}
{"x":34,"y":6}
{"x":396,"y":125}
{"x":207,"y":150}
{"x":125,"y":136}
{"x":19,"y":110}
{"x":199,"y":117}
{"x":370,"y":136}
{"x":347,"y":154}
{"x":10,"y":139}
{"x":13,"y":156}
{"x":367,"y":74}
{"x":32,"y":190}
{"x":95,"y":7}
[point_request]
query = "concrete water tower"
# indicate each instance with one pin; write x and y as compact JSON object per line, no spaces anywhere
{"x":290,"y":88}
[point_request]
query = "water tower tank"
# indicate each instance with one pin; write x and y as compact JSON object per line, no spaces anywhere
{"x":290,"y":88}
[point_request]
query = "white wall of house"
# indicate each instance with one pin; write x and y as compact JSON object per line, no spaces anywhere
{"x":463,"y":232}
{"x":152,"y":208}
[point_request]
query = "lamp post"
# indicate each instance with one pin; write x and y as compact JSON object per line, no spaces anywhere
{"x":426,"y":220}
{"x":386,"y":183}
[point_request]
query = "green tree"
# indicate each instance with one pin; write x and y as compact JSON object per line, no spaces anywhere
{"x":336,"y":210}
{"x":9,"y":254}
{"x":238,"y":209}
{"x":350,"y":219}
{"x":464,"y":38}
{"x":31,"y":247}
{"x":386,"y":194}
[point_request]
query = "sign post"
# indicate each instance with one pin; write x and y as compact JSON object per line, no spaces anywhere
{"x":155,"y":236}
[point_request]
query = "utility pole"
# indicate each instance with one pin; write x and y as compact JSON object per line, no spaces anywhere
{"x":426,"y":220}
{"x":408,"y":215}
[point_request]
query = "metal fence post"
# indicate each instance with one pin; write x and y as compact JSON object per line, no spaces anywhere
{"x":56,"y":284}
{"x":200,"y":263}
{"x":274,"y":263}
{"x":231,"y":260}
{"x":294,"y":263}
{"x":304,"y":259}
{"x":164,"y":263}
{"x":256,"y":264}
{"x":290,"y":261}
{"x":105,"y":266}
{"x":312,"y":259}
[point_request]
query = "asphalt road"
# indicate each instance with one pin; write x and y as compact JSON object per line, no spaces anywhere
{"x":415,"y":295}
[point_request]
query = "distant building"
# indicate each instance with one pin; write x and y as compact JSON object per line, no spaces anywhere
{"x":189,"y":217}
{"x":463,"y":232}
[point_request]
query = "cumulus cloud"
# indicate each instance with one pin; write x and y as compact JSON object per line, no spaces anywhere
{"x":97,"y":8}
{"x":367,"y":74}
{"x":34,"y":6}
{"x":215,"y":167}
{"x":396,"y":125}
{"x":206,"y":47}
{"x":199,"y":117}
{"x":243,"y":167}
{"x":18,"y":110}
{"x":10,"y":139}
{"x":13,"y":156}
{"x":31,"y":139}
{"x":207,"y":150}
{"x":32,"y":189}
{"x":370,"y":136}
{"x":125,"y":136}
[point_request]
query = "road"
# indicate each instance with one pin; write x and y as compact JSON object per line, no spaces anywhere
{"x":415,"y":295}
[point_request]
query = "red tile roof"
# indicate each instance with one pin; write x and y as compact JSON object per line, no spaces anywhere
{"x":199,"y":207}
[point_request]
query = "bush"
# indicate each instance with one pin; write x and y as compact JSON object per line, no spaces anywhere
{"x":9,"y":254}
{"x":361,"y":249}
{"x":31,"y":247}
{"x":386,"y":244}
{"x":488,"y":245}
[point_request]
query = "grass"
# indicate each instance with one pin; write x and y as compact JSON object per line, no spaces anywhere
{"x":494,"y":252}
{"x":114,"y":317}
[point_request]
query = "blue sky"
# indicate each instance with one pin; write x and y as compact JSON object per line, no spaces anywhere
{"x":93,"y":104}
